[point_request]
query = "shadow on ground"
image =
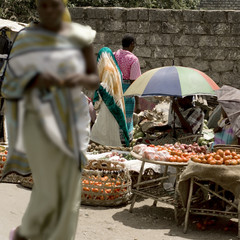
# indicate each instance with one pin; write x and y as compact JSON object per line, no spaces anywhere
{"x":151,"y":217}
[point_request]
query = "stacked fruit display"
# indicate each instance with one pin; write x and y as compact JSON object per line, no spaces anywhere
{"x":220,"y":157}
{"x":3,"y":158}
{"x":169,"y":152}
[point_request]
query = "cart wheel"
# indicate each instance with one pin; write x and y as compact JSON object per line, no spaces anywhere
{"x":178,"y":209}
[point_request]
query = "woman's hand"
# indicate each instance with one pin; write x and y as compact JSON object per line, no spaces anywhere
{"x":88,"y":81}
{"x":46,"y":80}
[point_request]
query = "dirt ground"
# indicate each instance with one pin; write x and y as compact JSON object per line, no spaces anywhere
{"x":147,"y":222}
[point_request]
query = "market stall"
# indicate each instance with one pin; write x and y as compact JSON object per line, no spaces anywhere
{"x":173,"y":159}
{"x":210,"y":185}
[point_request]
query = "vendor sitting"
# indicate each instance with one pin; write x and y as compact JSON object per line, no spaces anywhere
{"x":224,"y":133}
{"x":187,"y":116}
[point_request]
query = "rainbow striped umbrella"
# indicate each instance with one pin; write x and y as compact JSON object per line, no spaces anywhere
{"x":172,"y":81}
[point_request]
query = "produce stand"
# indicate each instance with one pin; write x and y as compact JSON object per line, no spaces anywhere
{"x":154,"y":188}
{"x":216,"y":183}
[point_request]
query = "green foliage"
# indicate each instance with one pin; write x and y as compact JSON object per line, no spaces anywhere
{"x":25,"y":10}
{"x":18,"y":10}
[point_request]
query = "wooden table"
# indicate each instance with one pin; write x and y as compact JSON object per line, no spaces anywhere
{"x":154,"y":188}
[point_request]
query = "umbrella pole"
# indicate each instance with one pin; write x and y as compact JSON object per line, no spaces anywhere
{"x":174,"y":126}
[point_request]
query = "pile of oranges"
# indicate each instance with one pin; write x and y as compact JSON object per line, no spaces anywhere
{"x":102,"y":188}
{"x":220,"y":157}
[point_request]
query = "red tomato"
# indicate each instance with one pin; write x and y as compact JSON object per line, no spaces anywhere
{"x":227,"y":162}
{"x":220,"y":161}
{"x":217,"y":157}
{"x":213,"y":162}
{"x":234,"y":154}
{"x":204,"y":161}
{"x":220,"y":152}
{"x":234,"y":162}
{"x":227,"y":152}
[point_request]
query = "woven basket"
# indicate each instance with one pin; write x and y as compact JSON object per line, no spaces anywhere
{"x":105,"y":183}
{"x":235,"y":148}
{"x":3,"y":158}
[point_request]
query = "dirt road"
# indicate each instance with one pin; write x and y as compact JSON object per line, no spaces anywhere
{"x":145,"y":223}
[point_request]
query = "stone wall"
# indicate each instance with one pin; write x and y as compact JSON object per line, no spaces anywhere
{"x":220,"y":4}
{"x":206,"y":40}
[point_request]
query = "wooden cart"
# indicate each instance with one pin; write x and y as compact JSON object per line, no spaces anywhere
{"x":154,"y":188}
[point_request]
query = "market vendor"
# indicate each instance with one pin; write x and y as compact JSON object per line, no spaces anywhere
{"x":224,"y":133}
{"x":187,"y":116}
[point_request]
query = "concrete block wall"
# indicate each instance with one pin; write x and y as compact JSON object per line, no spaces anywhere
{"x":220,"y":4}
{"x":206,"y":40}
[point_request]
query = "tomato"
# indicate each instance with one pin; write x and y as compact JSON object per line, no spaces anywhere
{"x":184,"y":159}
{"x":227,"y":152}
{"x":234,"y":154}
{"x":225,"y":158}
{"x":238,"y":161}
{"x":234,"y":162}
{"x":179,"y":159}
{"x":172,"y":159}
{"x":217,"y":157}
{"x":213,"y":162}
{"x":227,"y":162}
{"x":235,"y":157}
{"x":220,"y":152}
{"x":204,"y":161}
{"x":220,"y":161}
{"x":209,"y":159}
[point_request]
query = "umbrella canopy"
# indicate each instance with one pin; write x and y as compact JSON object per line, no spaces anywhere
{"x":172,"y":81}
{"x":229,"y":99}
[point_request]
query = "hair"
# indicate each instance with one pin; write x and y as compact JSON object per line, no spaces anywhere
{"x":127,"y":40}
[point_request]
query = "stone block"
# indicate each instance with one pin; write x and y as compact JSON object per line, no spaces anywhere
{"x":132,"y":14}
{"x":143,"y":63}
{"x":156,"y":63}
{"x":156,"y":15}
{"x":214,"y":54}
{"x":142,"y":51}
{"x":97,"y":47}
{"x":229,"y":42}
{"x":209,"y":41}
{"x":98,"y":13}
{"x":215,"y":16}
{"x":186,"y":51}
{"x":138,"y":27}
{"x":196,"y":28}
{"x":185,"y":40}
{"x":235,"y":30}
{"x":143,"y":14}
{"x":160,"y":39}
{"x":112,"y":38}
{"x":192,"y":16}
{"x":141,"y":39}
{"x":171,"y":62}
{"x":168,"y":27}
{"x":195,"y":63}
{"x":115,"y":26}
{"x":222,"y":66}
{"x":219,"y":29}
{"x":231,"y":79}
{"x":164,"y":52}
{"x":100,"y":38}
{"x":119,"y":14}
{"x":234,"y":16}
{"x":233,"y":54}
{"x":77,"y":13}
{"x":155,"y":27}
